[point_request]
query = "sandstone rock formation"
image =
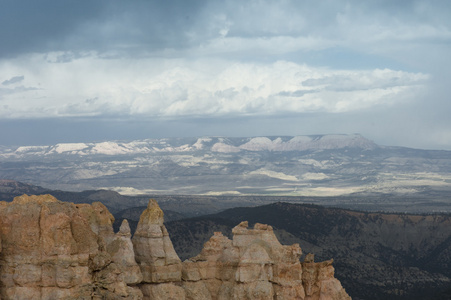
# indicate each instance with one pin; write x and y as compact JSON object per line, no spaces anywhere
{"x":254,"y":265}
{"x":160,"y":265}
{"x":58,"y":250}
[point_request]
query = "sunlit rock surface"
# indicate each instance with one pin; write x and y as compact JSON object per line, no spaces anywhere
{"x":58,"y":250}
{"x":254,"y":265}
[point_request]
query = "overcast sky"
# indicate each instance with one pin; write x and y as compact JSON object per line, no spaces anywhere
{"x":81,"y":71}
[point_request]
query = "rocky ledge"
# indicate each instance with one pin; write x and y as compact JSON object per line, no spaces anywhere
{"x":59,"y":250}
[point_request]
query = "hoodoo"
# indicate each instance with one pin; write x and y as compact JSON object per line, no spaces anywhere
{"x":58,"y":250}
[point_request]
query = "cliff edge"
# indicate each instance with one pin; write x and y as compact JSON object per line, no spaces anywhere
{"x":58,"y":250}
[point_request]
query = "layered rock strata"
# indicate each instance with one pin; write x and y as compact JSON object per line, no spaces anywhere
{"x":254,"y":265}
{"x":58,"y":250}
{"x":156,"y":257}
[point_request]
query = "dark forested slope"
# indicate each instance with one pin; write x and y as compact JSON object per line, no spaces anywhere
{"x":376,"y":255}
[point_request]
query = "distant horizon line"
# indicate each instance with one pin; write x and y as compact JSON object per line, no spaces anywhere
{"x":271,"y":136}
{"x":190,"y":137}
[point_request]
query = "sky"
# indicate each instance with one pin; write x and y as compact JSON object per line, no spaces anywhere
{"x":83,"y":71}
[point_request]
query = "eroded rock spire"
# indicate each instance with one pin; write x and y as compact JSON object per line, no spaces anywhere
{"x":58,"y":250}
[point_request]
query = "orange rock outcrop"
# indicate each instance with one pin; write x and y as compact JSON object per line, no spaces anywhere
{"x":58,"y":250}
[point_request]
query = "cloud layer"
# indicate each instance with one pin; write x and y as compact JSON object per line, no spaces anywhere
{"x":230,"y":59}
{"x":91,"y":86}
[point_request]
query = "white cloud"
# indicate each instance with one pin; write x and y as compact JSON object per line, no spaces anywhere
{"x":90,"y":85}
{"x":319,"y":62}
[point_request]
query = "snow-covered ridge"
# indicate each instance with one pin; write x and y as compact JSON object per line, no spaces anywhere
{"x":299,"y":143}
{"x":215,"y":144}
{"x":69,"y":147}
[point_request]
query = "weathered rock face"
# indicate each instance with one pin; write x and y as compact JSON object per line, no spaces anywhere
{"x":56,"y":250}
{"x":319,"y":282}
{"x":160,"y":265}
{"x":254,"y":265}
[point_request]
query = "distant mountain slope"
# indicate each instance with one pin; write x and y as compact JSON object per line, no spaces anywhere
{"x":218,"y":144}
{"x":377,"y":256}
{"x":11,"y":188}
{"x":299,"y":166}
{"x":128,"y":206}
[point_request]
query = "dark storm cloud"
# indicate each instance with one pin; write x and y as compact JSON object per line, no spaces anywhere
{"x":38,"y":26}
{"x":41,"y":26}
{"x":143,"y":27}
